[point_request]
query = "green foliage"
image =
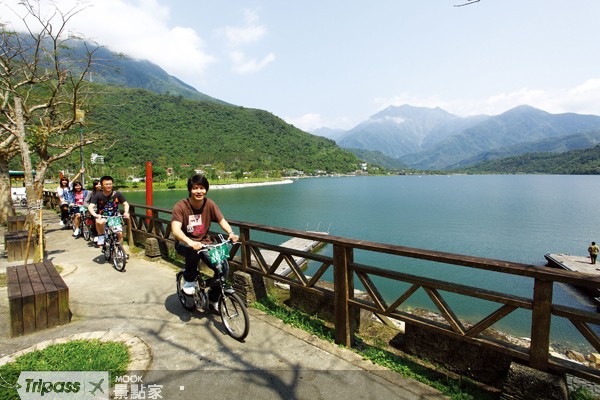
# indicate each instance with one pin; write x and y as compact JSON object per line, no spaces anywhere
{"x":582,"y":393}
{"x":76,"y":355}
{"x":173,"y":132}
{"x":575,"y":162}
{"x":378,"y":158}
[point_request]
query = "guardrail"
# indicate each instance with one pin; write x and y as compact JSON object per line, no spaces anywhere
{"x":155,"y":222}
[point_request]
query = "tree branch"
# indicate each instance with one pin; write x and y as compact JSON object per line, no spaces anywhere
{"x":469,"y":2}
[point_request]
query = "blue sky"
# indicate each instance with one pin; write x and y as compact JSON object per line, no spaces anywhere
{"x":334,"y":63}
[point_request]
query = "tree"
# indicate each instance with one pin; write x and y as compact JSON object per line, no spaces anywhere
{"x":468,"y":2}
{"x":43,"y":93}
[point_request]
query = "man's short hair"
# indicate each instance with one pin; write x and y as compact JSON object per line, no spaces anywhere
{"x":197,"y":179}
{"x":106,"y":178}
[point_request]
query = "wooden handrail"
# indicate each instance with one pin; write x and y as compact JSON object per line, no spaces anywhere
{"x":345,"y":270}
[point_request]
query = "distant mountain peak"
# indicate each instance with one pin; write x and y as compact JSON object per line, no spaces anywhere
{"x":432,"y":138}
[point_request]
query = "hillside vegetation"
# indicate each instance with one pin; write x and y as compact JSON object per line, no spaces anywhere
{"x":172,"y":131}
{"x":575,"y":162}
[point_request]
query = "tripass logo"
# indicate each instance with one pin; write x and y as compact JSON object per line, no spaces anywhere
{"x":68,"y":385}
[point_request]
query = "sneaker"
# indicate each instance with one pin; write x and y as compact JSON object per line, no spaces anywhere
{"x":95,"y":239}
{"x":213,"y":306}
{"x":189,"y":288}
{"x":76,"y":233}
{"x":62,"y":223}
{"x":100,"y":241}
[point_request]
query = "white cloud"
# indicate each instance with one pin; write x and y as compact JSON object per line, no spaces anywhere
{"x":312,"y":121}
{"x":139,"y":29}
{"x":238,"y":37}
{"x":307,"y":122}
{"x":241,"y":65}
{"x":251,"y":32}
{"x":584,"y":99}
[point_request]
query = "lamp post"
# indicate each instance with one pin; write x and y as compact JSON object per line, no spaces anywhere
{"x":80,"y":116}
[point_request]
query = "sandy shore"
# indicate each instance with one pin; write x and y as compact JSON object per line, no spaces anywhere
{"x":243,"y":185}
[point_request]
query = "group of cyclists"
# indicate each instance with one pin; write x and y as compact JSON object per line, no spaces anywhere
{"x":95,"y":205}
{"x":190,"y":224}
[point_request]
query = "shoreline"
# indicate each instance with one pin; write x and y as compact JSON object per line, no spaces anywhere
{"x":216,"y":186}
{"x":244,"y":185}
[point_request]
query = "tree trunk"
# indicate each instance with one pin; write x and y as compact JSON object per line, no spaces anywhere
{"x":6,"y":205}
{"x":32,"y":187}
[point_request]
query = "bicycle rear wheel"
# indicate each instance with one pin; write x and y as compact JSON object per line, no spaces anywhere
{"x":119,"y":257}
{"x":234,"y":316}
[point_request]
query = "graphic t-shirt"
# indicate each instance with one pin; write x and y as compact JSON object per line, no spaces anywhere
{"x":107,"y":205}
{"x":195,"y":222}
{"x":79,"y":197}
{"x":64,"y":194}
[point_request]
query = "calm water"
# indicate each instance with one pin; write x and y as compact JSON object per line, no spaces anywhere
{"x":515,"y":218}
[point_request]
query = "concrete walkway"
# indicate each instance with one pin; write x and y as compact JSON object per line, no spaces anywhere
{"x":189,"y":353}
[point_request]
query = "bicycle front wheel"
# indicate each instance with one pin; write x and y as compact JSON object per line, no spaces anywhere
{"x":106,"y":249}
{"x":119,"y":257}
{"x":234,"y":316}
{"x":86,"y":231}
{"x":186,"y":301}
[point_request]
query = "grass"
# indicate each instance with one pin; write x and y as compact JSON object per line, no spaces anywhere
{"x":582,"y":393}
{"x":76,"y":355}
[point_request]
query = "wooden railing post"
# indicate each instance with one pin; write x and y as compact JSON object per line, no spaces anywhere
{"x":540,"y":324}
{"x":246,"y":251}
{"x":343,"y":284}
{"x":152,"y":228}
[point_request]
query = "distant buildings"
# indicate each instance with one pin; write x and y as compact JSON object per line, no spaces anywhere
{"x":97,"y":159}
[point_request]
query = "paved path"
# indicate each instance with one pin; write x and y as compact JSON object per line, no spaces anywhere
{"x":189,"y":353}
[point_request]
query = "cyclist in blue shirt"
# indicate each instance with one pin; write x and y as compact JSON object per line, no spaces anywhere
{"x":65,"y":197}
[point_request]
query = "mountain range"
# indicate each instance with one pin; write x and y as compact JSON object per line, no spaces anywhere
{"x":398,"y":137}
{"x":432,"y":138}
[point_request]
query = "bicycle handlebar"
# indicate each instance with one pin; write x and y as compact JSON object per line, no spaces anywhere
{"x":207,"y":247}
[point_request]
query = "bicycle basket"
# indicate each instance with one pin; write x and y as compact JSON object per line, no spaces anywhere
{"x":114,"y":224}
{"x":218,"y":254}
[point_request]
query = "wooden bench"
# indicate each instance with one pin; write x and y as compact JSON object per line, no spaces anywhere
{"x":16,"y":223}
{"x":38,"y":298}
{"x":15,"y":244}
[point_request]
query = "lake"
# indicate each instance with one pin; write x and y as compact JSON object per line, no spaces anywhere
{"x":516,"y":218}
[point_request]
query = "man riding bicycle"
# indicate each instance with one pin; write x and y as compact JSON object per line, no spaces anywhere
{"x":190,"y":224}
{"x":105,"y":203}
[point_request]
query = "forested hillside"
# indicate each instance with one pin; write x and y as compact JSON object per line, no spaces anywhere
{"x":576,"y":162}
{"x":172,"y":131}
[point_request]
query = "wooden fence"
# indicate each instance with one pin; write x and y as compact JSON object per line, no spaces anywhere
{"x":155,"y":222}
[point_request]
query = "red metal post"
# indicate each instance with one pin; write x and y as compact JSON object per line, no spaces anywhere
{"x":148,"y":188}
